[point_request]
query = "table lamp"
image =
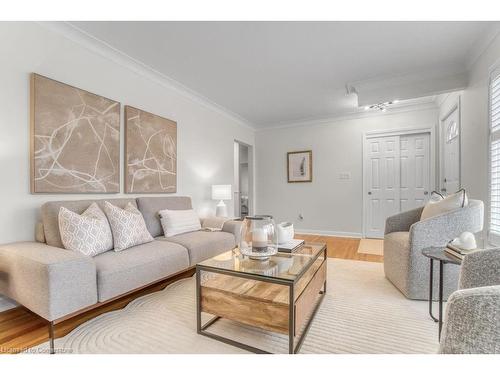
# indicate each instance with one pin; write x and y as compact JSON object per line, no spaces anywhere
{"x":221,"y":193}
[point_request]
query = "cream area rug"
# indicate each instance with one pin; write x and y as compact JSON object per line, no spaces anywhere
{"x":361,"y":313}
{"x":371,"y":246}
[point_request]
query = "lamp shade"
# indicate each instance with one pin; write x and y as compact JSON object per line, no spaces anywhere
{"x":221,"y":192}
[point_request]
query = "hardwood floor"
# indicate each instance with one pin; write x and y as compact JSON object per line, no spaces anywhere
{"x":342,"y":247}
{"x":21,"y":329}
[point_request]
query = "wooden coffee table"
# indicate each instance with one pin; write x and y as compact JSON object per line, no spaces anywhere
{"x":280,"y":295}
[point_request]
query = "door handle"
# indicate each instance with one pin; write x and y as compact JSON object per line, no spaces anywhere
{"x":426,"y":192}
{"x":369,"y":193}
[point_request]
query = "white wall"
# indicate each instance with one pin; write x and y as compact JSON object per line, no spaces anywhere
{"x":474,"y":123}
{"x":328,"y":204}
{"x":205,"y":135}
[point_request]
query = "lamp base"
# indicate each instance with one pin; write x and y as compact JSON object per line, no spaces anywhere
{"x":221,"y":210}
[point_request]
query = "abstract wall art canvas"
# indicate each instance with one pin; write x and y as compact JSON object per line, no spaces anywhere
{"x":75,"y":139}
{"x":299,"y":166}
{"x":150,"y":153}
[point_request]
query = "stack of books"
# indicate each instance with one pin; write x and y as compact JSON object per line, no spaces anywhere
{"x":457,"y":252}
{"x":291,"y":246}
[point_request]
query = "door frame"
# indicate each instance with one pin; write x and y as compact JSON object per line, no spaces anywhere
{"x":251,"y":174}
{"x":429,"y":129}
{"x":455,"y":107}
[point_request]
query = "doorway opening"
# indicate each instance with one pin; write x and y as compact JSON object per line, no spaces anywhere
{"x":243,"y":179}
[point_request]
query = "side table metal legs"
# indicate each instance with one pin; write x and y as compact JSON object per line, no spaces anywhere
{"x":441,"y":266}
{"x":431,"y":287}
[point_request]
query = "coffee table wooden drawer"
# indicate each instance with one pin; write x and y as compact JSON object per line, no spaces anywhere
{"x":306,"y":302}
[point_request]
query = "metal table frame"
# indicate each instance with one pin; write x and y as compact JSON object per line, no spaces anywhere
{"x":442,"y":261}
{"x":292,"y":347}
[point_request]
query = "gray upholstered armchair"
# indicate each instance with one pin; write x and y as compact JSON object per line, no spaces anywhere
{"x":472,"y":319}
{"x":405,"y":237}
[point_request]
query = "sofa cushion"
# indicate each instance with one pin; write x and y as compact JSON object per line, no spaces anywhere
{"x":127,"y":225}
{"x":203,"y":245}
{"x":121,"y":272}
{"x":149,"y":207}
{"x":50,"y":214}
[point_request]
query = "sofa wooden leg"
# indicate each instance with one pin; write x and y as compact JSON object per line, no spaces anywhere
{"x":51,"y":337}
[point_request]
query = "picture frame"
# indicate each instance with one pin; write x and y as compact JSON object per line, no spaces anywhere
{"x":74,"y":139}
{"x":150,"y":153}
{"x":299,"y":166}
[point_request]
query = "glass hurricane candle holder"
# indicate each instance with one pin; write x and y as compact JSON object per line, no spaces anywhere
{"x":258,"y":238}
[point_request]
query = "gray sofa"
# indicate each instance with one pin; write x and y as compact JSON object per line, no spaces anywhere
{"x":55,"y":283}
{"x":472,"y":319}
{"x":405,"y":238}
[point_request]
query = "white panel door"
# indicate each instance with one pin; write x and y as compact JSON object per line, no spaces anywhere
{"x":382,"y":176}
{"x":450,"y":144}
{"x":415,"y":170}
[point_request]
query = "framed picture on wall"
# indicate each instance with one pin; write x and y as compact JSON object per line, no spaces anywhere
{"x":75,"y":139}
{"x":299,"y":166}
{"x":150,"y":152}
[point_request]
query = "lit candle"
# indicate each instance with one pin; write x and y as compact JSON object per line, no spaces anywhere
{"x":259,"y":239}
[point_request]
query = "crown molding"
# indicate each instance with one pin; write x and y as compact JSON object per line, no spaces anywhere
{"x":90,"y":42}
{"x":482,"y":45}
{"x":359,"y":114}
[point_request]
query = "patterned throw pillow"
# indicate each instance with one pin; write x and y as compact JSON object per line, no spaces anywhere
{"x":88,"y":233}
{"x":127,"y":225}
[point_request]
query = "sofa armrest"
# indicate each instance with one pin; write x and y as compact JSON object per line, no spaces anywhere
{"x":472,"y":324}
{"x":50,"y":281}
{"x":403,"y":221}
{"x":233,"y":227}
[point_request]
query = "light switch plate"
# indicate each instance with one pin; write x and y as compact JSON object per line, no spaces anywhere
{"x":345,"y":176}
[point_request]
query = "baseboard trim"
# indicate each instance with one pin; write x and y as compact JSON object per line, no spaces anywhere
{"x":329,"y":233}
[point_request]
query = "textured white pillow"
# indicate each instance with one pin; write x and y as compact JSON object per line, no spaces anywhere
{"x":179,"y":221}
{"x":127,"y":225}
{"x":440,"y":205}
{"x":88,"y":233}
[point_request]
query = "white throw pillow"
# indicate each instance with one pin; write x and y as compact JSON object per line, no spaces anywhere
{"x":127,"y":225}
{"x":179,"y":221}
{"x":88,"y":233}
{"x":439,"y":205}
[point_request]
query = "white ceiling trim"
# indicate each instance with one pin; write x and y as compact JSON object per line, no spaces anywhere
{"x":361,"y":113}
{"x":96,"y":45}
{"x":482,"y":45}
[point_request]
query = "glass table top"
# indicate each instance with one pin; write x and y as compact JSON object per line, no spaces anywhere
{"x":284,"y":266}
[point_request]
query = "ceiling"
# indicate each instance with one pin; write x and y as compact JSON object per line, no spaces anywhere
{"x":272,"y":73}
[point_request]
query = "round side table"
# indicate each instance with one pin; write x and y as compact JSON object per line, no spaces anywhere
{"x":438,"y":254}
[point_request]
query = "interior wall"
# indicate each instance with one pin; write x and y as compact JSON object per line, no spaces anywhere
{"x":329,"y":204}
{"x":475,"y":124}
{"x":205,"y":135}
